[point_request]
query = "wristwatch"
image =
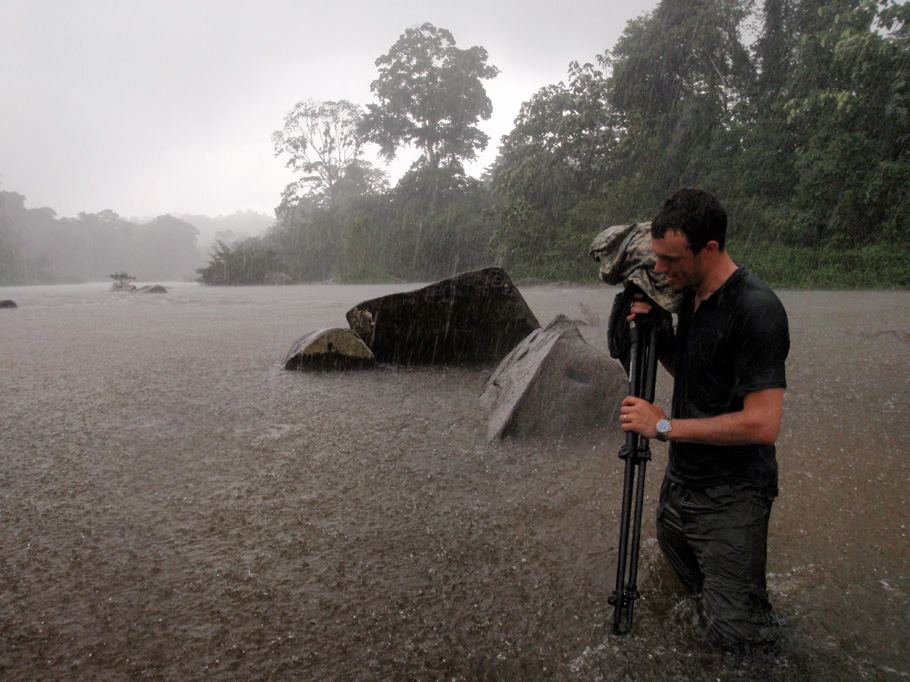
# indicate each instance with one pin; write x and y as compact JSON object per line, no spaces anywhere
{"x":663,"y":430}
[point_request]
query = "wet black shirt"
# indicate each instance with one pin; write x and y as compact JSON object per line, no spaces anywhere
{"x":734,"y":344}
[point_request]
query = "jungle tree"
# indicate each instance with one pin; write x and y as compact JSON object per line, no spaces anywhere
{"x":322,"y":146}
{"x":430,"y":94}
{"x":549,"y":170}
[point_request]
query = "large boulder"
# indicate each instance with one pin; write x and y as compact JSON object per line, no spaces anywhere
{"x":553,"y":384}
{"x":8,"y":304}
{"x":475,"y":317}
{"x":334,"y":348}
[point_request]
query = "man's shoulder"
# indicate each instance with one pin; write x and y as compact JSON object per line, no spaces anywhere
{"x":760,"y":314}
{"x":755,"y":293}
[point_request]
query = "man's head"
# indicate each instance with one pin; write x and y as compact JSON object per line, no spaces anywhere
{"x":688,"y":235}
{"x":695,"y":213}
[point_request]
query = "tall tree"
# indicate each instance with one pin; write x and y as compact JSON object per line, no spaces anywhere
{"x":430,"y":94}
{"x":321,"y":143}
{"x":550,"y":167}
{"x":678,"y":78}
{"x":773,"y":48}
{"x":849,"y":103}
{"x":760,"y":177}
{"x":568,"y":127}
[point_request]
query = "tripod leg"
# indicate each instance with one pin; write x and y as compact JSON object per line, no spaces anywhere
{"x":650,"y":366}
{"x":620,"y":598}
{"x":642,"y":455}
{"x":632,"y":587}
{"x":628,"y":453}
{"x":642,"y":378}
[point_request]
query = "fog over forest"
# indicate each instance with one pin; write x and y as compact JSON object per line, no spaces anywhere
{"x":795,"y":113}
{"x":37,"y":247}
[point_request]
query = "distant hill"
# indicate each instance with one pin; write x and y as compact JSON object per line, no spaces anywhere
{"x":37,"y":247}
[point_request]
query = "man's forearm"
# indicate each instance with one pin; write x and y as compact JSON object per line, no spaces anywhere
{"x":735,"y":428}
{"x":758,"y":423}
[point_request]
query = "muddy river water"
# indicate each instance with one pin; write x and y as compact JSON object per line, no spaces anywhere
{"x":174,"y":505}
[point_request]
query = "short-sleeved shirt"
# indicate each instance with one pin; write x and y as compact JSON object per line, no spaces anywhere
{"x":734,"y":344}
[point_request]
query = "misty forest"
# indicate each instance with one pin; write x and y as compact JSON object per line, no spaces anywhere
{"x":794,"y":112}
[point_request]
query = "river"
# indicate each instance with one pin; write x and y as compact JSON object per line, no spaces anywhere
{"x":174,"y":505}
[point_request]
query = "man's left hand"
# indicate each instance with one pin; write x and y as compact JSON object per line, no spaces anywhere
{"x":640,"y":416}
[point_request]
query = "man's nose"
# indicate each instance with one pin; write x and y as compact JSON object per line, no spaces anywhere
{"x":659,"y":267}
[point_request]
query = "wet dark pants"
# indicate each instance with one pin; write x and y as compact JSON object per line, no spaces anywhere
{"x":716,"y":539}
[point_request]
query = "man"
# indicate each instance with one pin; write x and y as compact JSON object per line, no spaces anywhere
{"x":727,"y":361}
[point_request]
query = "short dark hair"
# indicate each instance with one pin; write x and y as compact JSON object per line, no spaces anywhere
{"x":695,"y":213}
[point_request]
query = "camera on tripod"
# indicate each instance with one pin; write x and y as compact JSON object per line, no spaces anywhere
{"x":625,"y":256}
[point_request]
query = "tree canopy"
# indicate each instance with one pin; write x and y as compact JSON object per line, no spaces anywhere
{"x":430,"y":94}
{"x":322,"y":145}
{"x":794,"y":112}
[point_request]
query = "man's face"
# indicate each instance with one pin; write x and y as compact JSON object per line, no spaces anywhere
{"x":676,"y":260}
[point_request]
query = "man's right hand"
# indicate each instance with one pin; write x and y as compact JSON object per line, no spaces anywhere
{"x":664,"y":345}
{"x":638,"y":308}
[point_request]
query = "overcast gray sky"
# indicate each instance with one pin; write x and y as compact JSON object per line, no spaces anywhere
{"x":168,"y":106}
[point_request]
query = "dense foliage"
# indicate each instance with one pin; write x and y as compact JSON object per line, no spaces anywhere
{"x":430,"y":94}
{"x":803,"y":133}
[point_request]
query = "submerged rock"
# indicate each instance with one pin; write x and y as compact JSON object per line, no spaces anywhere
{"x":334,"y":348}
{"x":474,"y":317}
{"x":152,"y":289}
{"x":8,"y":304}
{"x":554,"y":383}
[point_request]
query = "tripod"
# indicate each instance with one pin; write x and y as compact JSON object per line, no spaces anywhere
{"x":635,"y":452}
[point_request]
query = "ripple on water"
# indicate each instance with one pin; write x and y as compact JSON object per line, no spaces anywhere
{"x":174,"y":505}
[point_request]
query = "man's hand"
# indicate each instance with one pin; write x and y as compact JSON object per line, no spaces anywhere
{"x":640,"y":416}
{"x":638,"y":307}
{"x":642,"y":308}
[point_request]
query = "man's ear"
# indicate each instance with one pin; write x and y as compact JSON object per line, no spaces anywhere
{"x":712,"y":247}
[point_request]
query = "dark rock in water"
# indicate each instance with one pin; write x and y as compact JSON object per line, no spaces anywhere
{"x":152,"y":289}
{"x":474,"y":317}
{"x":122,"y":286}
{"x":329,"y":349}
{"x":8,"y":304}
{"x":554,"y":383}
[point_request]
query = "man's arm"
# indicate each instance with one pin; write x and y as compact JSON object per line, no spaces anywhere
{"x":758,"y":423}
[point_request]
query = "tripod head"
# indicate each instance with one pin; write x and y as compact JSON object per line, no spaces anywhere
{"x":635,"y":296}
{"x":633,"y":300}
